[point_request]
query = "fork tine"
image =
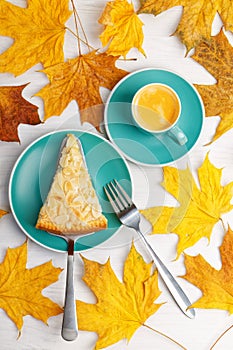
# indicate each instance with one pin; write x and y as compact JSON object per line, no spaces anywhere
{"x":119,"y":195}
{"x":123,"y":195}
{"x":112,"y":198}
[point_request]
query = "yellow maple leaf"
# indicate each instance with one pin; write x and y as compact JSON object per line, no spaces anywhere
{"x":197,"y":18}
{"x":216,"y":285}
{"x":79,"y":79}
{"x":123,"y":28}
{"x":20,"y":290}
{"x":199,"y":209}
{"x":38,"y":32}
{"x":216,"y":56}
{"x":122,"y":307}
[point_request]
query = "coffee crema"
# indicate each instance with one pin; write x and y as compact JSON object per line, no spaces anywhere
{"x":156,"y":107}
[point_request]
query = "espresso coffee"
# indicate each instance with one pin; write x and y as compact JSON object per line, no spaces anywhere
{"x":156,"y":107}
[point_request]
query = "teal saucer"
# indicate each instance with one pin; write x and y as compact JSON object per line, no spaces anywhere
{"x":144,"y":148}
{"x":33,"y":173}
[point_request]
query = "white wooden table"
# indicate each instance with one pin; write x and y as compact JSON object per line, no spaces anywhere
{"x":163,"y":51}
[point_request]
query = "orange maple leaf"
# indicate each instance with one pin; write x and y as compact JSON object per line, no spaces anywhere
{"x":2,"y":213}
{"x":15,"y":110}
{"x":79,"y":79}
{"x":216,"y":286}
{"x":128,"y":303}
{"x":216,"y":55}
{"x":123,"y":28}
{"x":38,"y":32}
{"x":20,"y":290}
{"x":197,"y":18}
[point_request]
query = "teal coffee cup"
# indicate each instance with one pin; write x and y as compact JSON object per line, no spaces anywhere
{"x":156,"y":109}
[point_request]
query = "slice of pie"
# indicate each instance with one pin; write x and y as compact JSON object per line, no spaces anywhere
{"x":72,"y":206}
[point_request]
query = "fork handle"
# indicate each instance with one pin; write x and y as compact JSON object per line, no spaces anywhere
{"x":176,"y":291}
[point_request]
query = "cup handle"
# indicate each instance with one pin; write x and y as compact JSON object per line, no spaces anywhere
{"x":177,"y":135}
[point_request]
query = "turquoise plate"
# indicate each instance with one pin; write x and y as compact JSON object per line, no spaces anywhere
{"x":144,"y":148}
{"x":33,"y":173}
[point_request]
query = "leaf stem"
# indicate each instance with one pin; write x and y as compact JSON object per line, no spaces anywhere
{"x":80,"y":23}
{"x":221,"y":337}
{"x":127,"y":59}
{"x":164,"y":335}
{"x":83,"y":41}
{"x":76,"y":26}
{"x":224,"y":227}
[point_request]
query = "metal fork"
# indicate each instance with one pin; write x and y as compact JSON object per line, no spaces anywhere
{"x":129,"y":215}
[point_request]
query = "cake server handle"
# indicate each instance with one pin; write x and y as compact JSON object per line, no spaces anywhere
{"x":70,"y":325}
